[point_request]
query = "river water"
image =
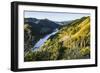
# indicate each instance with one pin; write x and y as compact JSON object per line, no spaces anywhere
{"x":43,"y":40}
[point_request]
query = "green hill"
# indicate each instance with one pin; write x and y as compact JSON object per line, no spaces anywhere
{"x":71,"y":42}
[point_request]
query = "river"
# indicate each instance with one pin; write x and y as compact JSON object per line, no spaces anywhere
{"x":43,"y":40}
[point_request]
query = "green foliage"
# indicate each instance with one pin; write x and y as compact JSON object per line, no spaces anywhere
{"x":71,"y":42}
{"x":28,"y":57}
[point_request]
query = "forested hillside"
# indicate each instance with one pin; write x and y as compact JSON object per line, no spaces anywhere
{"x":71,"y":42}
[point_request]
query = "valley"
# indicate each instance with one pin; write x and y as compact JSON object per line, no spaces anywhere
{"x":71,"y":40}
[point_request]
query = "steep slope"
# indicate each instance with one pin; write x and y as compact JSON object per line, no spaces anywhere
{"x":34,"y":29}
{"x":71,"y":42}
{"x":41,"y":26}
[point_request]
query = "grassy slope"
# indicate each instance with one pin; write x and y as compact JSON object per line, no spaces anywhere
{"x":71,"y":42}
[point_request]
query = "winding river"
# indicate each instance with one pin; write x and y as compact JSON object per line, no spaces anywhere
{"x":43,"y":40}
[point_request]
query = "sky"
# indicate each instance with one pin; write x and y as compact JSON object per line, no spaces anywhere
{"x":54,"y":16}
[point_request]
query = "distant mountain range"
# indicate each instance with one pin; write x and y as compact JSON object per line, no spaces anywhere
{"x":41,"y":26}
{"x":44,"y":26}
